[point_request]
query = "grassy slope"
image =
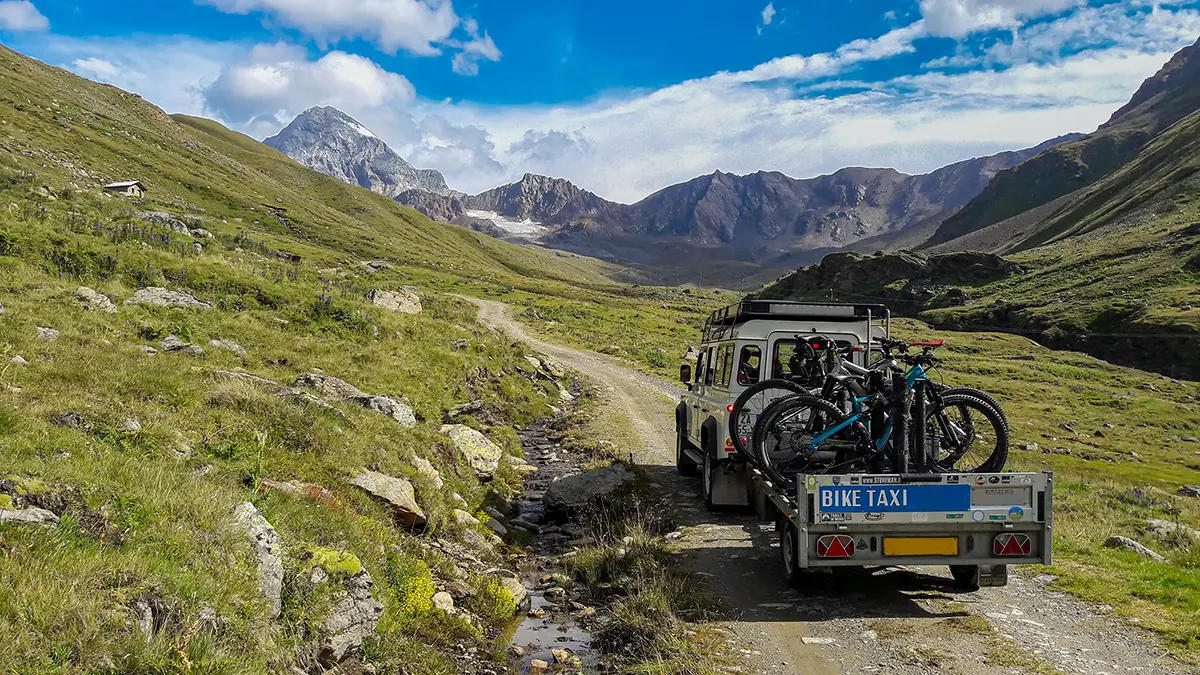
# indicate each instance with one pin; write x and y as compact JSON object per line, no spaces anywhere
{"x":145,"y":520}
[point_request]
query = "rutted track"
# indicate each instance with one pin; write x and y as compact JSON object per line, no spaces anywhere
{"x":881,"y":621}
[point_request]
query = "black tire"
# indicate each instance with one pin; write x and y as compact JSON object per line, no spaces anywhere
{"x":966,"y":577}
{"x":789,"y":548}
{"x":943,"y":390}
{"x":968,"y":434}
{"x":684,"y":464}
{"x":770,"y":446}
{"x":755,"y":400}
{"x":709,"y":468}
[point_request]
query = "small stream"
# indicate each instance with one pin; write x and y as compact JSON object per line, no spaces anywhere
{"x":550,"y":623}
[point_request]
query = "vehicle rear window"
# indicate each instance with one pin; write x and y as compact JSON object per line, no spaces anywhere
{"x":719,"y":377}
{"x":749,"y":365}
{"x":726,"y":364}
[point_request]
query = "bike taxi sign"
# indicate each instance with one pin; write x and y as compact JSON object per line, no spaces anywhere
{"x":888,"y":499}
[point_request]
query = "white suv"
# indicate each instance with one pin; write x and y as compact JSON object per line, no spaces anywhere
{"x":742,"y":345}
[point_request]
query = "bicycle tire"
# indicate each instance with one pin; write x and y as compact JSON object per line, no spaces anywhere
{"x":943,"y":389}
{"x":741,"y":442}
{"x":832,"y":416}
{"x":939,"y":429}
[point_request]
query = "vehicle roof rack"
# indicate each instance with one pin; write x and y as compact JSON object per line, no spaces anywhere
{"x":748,"y":310}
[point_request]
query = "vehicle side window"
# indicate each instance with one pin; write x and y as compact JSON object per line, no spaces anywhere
{"x":718,"y":377}
{"x":726,"y":368}
{"x":710,"y":372}
{"x":749,"y":365}
{"x":700,"y":363}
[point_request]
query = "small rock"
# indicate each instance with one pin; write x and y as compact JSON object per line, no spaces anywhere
{"x":480,"y":453}
{"x":464,"y":519}
{"x":525,"y":525}
{"x":444,"y":602}
{"x":1189,"y":491}
{"x":575,"y":493}
{"x":460,"y":344}
{"x":537,"y":613}
{"x":376,"y":266}
{"x":1131,"y":545}
{"x":1031,"y":447}
{"x":94,"y":301}
{"x":330,"y":386}
{"x":71,"y":420}
{"x":1189,"y":439}
{"x":516,"y":589}
{"x":18,"y":360}
{"x":497,"y":527}
{"x":28,"y":516}
{"x":402,"y":414}
{"x":538,"y":667}
{"x":493,"y":513}
{"x":47,"y":334}
{"x":555,"y":593}
{"x":426,"y":470}
{"x":351,"y":621}
{"x":174,"y":344}
{"x":131,"y":425}
{"x":566,"y":659}
{"x":396,"y":491}
{"x":817,"y":640}
{"x":201,"y":233}
{"x":459,"y":589}
{"x":150,"y":351}
{"x":246,"y":377}
{"x":268,"y":549}
{"x":226,"y":344}
{"x":402,"y":301}
{"x":162,"y":297}
{"x":674,"y":536}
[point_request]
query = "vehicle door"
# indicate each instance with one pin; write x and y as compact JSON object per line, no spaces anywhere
{"x":717,"y":395}
{"x":694,"y":419}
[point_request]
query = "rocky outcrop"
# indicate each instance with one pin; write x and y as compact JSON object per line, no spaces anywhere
{"x":479,"y":452}
{"x":1130,"y":545}
{"x":404,"y":301}
{"x":442,"y":208}
{"x":397,"y":492}
{"x":166,"y":220}
{"x":174,"y":344}
{"x":330,"y":386}
{"x":161,"y":297}
{"x":94,"y":301}
{"x":574,"y":494}
{"x":268,"y":550}
{"x":541,"y":199}
{"x":401,"y":413}
{"x":353,"y":618}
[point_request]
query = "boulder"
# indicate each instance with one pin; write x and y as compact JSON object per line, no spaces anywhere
{"x":161,"y":297}
{"x":465,"y":519}
{"x":476,"y":541}
{"x":47,"y":334}
{"x":376,"y":266}
{"x":174,"y":344}
{"x":396,"y":491}
{"x":515,"y":588}
{"x":351,"y":621}
{"x":94,"y":301}
{"x":426,"y":470}
{"x":480,"y":453}
{"x":403,"y":301}
{"x":330,"y":386}
{"x":443,"y":601}
{"x":164,"y":219}
{"x":1190,"y":491}
{"x":396,"y":410}
{"x":1131,"y":545}
{"x":268,"y":551}
{"x":28,"y":516}
{"x":568,"y":496}
{"x":497,"y":527}
{"x":131,"y":425}
{"x":201,"y":233}
{"x":226,"y":344}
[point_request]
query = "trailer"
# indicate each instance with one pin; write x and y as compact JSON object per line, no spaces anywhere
{"x":975,"y":523}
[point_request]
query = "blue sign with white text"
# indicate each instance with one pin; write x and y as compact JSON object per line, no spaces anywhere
{"x":893,"y":498}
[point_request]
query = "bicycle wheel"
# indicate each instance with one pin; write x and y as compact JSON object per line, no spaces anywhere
{"x":965,"y":434}
{"x":942,"y":390}
{"x":783,"y":440}
{"x":749,"y":407}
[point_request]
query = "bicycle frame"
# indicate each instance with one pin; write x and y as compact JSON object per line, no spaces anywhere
{"x":915,"y":374}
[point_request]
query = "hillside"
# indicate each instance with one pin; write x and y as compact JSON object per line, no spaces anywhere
{"x":205,"y":389}
{"x":1164,"y":99}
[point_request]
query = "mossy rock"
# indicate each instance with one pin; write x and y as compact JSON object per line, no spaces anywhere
{"x":338,"y":564}
{"x":6,"y":503}
{"x":27,"y":487}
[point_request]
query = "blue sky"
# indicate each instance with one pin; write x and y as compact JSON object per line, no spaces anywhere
{"x":627,"y":97}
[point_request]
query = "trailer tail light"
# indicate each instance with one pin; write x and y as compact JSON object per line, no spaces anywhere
{"x":1012,"y":544}
{"x":835,"y":546}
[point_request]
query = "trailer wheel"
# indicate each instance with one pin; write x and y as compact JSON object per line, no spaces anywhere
{"x":683,"y":463}
{"x":789,"y":547}
{"x":966,"y":577}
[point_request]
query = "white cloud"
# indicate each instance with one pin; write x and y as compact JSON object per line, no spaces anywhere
{"x":474,"y":50}
{"x":97,"y":68}
{"x":272,"y":83}
{"x":768,"y":15}
{"x":21,"y":15}
{"x":959,"y":18}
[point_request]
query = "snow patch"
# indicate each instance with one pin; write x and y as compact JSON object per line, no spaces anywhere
{"x":361,"y":129}
{"x":521,"y":229}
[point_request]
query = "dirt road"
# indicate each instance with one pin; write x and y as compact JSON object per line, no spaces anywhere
{"x":893,"y":620}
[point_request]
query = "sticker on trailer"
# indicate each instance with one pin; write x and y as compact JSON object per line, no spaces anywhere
{"x":903,"y":498}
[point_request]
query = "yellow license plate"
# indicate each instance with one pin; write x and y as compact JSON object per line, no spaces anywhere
{"x":914,"y":546}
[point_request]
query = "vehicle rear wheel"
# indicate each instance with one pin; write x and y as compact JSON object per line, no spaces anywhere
{"x":789,"y":547}
{"x":708,"y":481}
{"x":684,"y":464}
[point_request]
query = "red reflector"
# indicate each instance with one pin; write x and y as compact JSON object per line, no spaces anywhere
{"x":1011,"y":544}
{"x":729,"y":408}
{"x":835,"y":546}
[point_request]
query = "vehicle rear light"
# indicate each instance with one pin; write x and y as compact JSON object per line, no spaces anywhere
{"x":729,"y":408}
{"x":1012,"y":544}
{"x":835,"y":546}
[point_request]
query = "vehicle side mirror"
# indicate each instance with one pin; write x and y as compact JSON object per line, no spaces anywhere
{"x":685,"y":374}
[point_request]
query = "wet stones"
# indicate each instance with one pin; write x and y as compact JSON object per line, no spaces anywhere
{"x":572,"y":494}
